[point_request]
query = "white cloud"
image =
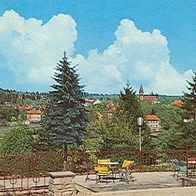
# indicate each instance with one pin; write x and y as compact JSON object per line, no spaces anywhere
{"x":31,"y":50}
{"x":140,"y":57}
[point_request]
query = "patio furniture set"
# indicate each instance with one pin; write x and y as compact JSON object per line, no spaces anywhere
{"x":106,"y":170}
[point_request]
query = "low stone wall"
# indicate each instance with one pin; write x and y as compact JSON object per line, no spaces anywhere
{"x":177,"y":191}
{"x":61,"y":183}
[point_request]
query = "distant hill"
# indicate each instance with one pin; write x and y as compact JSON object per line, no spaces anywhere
{"x":101,"y":96}
{"x":161,"y":98}
{"x":166,"y":98}
{"x":13,"y":96}
{"x":18,"y":97}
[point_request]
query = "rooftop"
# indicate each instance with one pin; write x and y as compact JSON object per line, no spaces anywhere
{"x":150,"y":97}
{"x":177,"y":102}
{"x":151,"y":118}
{"x":33,"y":111}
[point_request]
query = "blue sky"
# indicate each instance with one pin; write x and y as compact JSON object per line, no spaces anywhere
{"x":149,"y":42}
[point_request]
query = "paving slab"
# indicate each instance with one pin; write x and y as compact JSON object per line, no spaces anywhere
{"x":147,"y":180}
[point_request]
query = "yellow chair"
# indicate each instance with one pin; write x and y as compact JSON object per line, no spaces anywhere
{"x":101,"y":172}
{"x":127,"y":164}
{"x":125,"y":171}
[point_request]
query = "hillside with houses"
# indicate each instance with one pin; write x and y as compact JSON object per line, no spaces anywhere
{"x":105,"y":116}
{"x":27,"y":107}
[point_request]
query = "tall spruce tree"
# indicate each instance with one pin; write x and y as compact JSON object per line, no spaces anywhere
{"x":65,"y":119}
{"x":130,"y":107}
{"x":189,"y":98}
{"x":129,"y":103}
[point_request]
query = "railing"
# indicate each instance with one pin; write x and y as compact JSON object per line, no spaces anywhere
{"x":28,"y":171}
{"x":143,"y":161}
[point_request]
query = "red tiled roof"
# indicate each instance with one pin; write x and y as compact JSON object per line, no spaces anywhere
{"x":177,"y":102}
{"x":150,"y":98}
{"x":33,"y":111}
{"x":151,"y":118}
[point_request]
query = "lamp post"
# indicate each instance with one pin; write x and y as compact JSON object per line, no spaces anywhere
{"x":140,"y":123}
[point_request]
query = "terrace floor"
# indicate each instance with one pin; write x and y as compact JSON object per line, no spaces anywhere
{"x":145,"y":180}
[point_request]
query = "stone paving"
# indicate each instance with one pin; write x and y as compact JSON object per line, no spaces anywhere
{"x":145,"y":180}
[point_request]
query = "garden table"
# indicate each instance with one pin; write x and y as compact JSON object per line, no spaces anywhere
{"x":109,"y":163}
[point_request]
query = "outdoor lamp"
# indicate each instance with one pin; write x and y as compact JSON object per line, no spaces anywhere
{"x":140,"y":123}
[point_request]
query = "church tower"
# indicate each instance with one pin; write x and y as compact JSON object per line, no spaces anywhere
{"x":141,"y":93}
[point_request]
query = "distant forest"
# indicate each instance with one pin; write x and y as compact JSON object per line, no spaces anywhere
{"x":161,"y":98}
{"x":18,"y":97}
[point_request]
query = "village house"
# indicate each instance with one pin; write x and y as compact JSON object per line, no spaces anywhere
{"x":89,"y":102}
{"x":152,"y":98}
{"x":110,"y":107}
{"x":177,"y":102}
{"x":33,"y":116}
{"x":153,"y":122}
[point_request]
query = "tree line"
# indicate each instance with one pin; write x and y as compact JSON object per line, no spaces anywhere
{"x":14,"y":97}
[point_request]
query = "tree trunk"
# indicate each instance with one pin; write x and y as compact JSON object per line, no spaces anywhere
{"x":65,"y":157}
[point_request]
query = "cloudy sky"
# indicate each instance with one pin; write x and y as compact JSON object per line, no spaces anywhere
{"x":113,"y":41}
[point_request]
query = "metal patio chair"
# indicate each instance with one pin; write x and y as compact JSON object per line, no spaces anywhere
{"x":180,"y":168}
{"x":88,"y":170}
{"x":126,"y":170}
{"x":102,"y":172}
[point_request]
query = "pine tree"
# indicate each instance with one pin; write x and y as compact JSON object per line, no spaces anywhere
{"x":65,"y":119}
{"x":129,"y":103}
{"x":189,"y":98}
{"x":131,"y":109}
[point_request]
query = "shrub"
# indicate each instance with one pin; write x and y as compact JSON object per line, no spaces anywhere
{"x":18,"y":140}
